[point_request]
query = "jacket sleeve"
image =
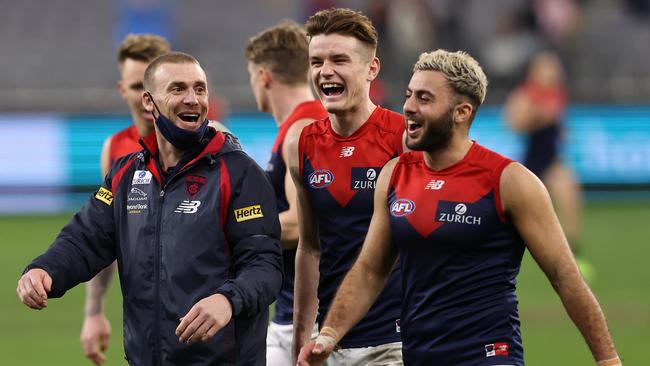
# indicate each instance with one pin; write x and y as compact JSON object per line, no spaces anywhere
{"x":84,"y":246}
{"x":252,"y":229}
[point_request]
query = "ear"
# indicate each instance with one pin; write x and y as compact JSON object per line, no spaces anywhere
{"x":146,"y":102}
{"x":265,"y":77}
{"x":122,"y":89}
{"x":463,"y":111}
{"x":373,"y":69}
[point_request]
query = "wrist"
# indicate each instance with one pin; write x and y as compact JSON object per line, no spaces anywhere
{"x":331,"y":332}
{"x":616,"y":361}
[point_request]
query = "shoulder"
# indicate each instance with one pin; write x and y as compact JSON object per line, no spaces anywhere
{"x":488,"y":159}
{"x":390,"y":120}
{"x":520,"y":188}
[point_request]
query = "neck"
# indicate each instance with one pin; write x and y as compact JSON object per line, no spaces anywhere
{"x":168,"y":154}
{"x":144,"y":127}
{"x":349,"y":121}
{"x":284,"y":99}
{"x":452,"y":154}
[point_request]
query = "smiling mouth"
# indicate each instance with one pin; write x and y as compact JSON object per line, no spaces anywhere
{"x":413,"y":126}
{"x":332,"y":89}
{"x":189,"y":117}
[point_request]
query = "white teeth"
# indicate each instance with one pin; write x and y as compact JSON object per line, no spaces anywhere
{"x":331,"y":85}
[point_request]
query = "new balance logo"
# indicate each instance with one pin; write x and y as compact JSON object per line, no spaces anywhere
{"x":435,"y":184}
{"x":346,"y":152}
{"x":188,"y":207}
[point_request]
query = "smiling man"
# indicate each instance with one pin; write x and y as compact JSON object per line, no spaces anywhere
{"x":334,"y":163}
{"x":459,"y":217}
{"x":192,"y":222}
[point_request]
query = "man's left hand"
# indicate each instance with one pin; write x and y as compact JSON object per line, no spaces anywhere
{"x":204,"y":319}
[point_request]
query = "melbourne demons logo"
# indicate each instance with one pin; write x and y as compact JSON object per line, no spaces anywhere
{"x":320,"y":179}
{"x":402,"y":207}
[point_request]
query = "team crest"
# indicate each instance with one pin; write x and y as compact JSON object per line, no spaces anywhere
{"x":193,"y":184}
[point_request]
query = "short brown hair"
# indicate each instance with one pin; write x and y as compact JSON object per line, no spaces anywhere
{"x":168,"y":58}
{"x":343,"y":21}
{"x":283,"y":48}
{"x":142,"y":47}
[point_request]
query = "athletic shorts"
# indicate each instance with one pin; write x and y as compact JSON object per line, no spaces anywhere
{"x":389,"y":354}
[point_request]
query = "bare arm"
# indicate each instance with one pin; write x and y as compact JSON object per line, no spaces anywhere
{"x":289,"y":218}
{"x":307,"y":256}
{"x":96,"y":330}
{"x":540,"y":229}
{"x":96,"y":288}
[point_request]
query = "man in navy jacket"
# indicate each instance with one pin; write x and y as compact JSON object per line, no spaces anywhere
{"x":192,"y":222}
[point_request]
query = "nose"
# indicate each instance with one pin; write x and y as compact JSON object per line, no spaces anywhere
{"x":190,"y":97}
{"x":409,"y":106}
{"x":327,"y":69}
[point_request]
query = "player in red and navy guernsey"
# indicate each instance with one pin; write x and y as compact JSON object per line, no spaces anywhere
{"x":278,"y":66}
{"x":335,"y":164}
{"x":459,"y":217}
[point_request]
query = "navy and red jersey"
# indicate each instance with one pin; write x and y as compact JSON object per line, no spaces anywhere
{"x":339,"y":174}
{"x":459,"y":258}
{"x":124,"y":142}
{"x":276,"y":170}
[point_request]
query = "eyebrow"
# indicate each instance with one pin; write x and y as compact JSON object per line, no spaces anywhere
{"x":184,"y":84}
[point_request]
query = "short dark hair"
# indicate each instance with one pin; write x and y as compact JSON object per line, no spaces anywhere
{"x":142,"y":47}
{"x":343,"y":21}
{"x":169,"y":58}
{"x":284,"y":48}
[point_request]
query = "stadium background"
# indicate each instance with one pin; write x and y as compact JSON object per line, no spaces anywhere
{"x":58,"y":102}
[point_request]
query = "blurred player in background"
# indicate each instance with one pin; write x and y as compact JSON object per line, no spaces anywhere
{"x":537,"y":108}
{"x":335,"y":163}
{"x":459,"y":217}
{"x":133,"y":56}
{"x":278,"y":65}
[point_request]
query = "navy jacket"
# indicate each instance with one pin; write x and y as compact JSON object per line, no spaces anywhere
{"x":210,"y":227}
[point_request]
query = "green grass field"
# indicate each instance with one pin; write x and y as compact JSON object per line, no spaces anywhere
{"x":616,"y":240}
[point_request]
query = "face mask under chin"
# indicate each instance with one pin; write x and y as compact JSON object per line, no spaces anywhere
{"x":181,"y":138}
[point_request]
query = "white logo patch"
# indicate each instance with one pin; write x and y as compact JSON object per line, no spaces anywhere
{"x":371,"y":174}
{"x":434,"y":184}
{"x":141,"y":177}
{"x":460,"y":208}
{"x":188,"y":207}
{"x":346,"y":152}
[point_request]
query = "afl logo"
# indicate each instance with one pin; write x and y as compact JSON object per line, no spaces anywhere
{"x":460,"y":208}
{"x":402,"y":207}
{"x":320,"y":179}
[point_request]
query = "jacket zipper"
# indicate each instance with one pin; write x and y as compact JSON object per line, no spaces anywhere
{"x":157,"y":258}
{"x":157,"y":250}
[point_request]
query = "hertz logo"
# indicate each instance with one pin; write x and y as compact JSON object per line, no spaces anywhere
{"x":248,"y":213}
{"x":104,"y":195}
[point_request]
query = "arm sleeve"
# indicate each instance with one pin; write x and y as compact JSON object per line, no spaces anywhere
{"x":252,"y":230}
{"x":84,"y":246}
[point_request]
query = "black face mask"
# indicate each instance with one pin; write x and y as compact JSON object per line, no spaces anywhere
{"x":181,"y":138}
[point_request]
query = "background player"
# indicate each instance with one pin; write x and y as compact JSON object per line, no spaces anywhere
{"x":278,"y":66}
{"x":460,"y":217}
{"x":133,"y":56}
{"x":537,"y":108}
{"x":334,"y":164}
